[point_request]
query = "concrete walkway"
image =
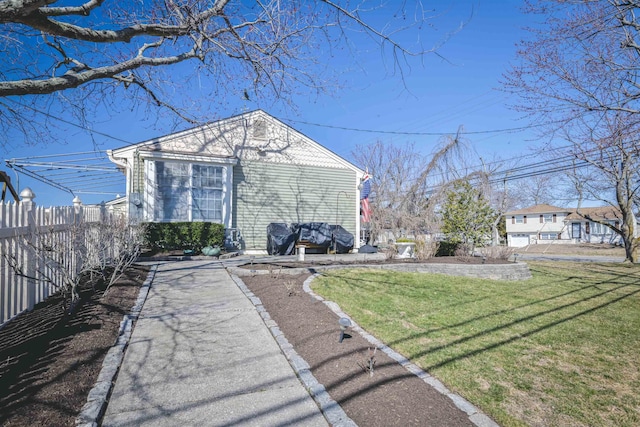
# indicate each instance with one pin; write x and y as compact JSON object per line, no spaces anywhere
{"x":200,"y":354}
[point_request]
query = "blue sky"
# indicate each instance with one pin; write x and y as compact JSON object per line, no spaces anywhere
{"x":436,"y":96}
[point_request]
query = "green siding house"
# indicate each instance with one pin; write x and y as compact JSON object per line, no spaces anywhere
{"x":245,"y":172}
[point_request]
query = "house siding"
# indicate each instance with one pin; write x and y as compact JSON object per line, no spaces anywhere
{"x":533,"y":227}
{"x":279,"y":175}
{"x":271,"y":192}
{"x":530,"y":226}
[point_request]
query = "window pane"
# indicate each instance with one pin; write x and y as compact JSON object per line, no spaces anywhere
{"x":172,"y":196}
{"x":207,"y":176}
{"x":207,"y":193}
{"x":207,"y":204}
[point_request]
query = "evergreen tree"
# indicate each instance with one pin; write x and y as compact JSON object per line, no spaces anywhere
{"x":467,"y":217}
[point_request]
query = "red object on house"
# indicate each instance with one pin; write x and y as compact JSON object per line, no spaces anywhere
{"x":365,"y":208}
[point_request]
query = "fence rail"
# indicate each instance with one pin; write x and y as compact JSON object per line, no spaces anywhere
{"x":26,"y":277}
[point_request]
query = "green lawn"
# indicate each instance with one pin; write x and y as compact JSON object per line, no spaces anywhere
{"x":560,"y":349}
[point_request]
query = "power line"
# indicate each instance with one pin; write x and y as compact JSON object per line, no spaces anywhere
{"x":386,"y":132}
{"x":545,"y":167}
{"x":85,"y":128}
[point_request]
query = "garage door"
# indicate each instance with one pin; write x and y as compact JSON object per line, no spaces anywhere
{"x":519,"y":240}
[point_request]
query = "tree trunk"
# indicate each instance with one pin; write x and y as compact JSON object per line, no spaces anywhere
{"x":628,"y":238}
{"x":624,"y":197}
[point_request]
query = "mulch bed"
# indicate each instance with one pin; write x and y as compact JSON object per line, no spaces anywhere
{"x":390,"y":396}
{"x":50,"y":358}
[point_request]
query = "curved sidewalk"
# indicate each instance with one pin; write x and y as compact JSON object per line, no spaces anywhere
{"x":200,"y":354}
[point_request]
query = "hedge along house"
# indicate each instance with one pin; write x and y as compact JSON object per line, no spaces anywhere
{"x":244,"y":172}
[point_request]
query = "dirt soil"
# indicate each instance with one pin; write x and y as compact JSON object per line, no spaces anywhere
{"x":389,"y":396}
{"x":50,"y":358}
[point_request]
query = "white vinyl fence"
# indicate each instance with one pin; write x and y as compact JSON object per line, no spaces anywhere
{"x":26,"y":230}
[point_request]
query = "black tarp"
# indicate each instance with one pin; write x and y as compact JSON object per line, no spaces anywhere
{"x":316,"y":233}
{"x":367,"y":249}
{"x":343,"y":240}
{"x":281,"y":239}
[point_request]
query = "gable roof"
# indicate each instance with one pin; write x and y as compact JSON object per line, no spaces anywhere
{"x":539,"y":209}
{"x":597,"y":213}
{"x":254,"y":135}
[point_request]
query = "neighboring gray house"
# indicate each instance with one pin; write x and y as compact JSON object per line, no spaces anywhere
{"x":551,"y":224}
{"x":245,"y":172}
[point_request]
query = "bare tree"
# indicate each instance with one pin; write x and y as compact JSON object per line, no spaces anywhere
{"x":611,"y":174}
{"x":126,"y":54}
{"x":579,"y":75}
{"x":407,"y":185}
{"x":581,"y":62}
{"x":393,"y":170}
{"x":539,"y":190}
{"x":111,"y":246}
{"x":492,"y":180}
{"x":498,"y":197}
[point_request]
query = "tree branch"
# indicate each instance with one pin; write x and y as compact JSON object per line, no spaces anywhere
{"x":74,"y":79}
{"x":39,"y":19}
{"x":84,"y":9}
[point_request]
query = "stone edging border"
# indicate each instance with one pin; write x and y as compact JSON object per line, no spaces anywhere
{"x":333,"y":413}
{"x":510,"y":272}
{"x":97,"y":399}
{"x":475,"y":415}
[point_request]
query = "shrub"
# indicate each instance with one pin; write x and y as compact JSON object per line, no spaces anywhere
{"x":463,"y":251}
{"x":389,"y":251}
{"x":426,"y":248}
{"x":183,"y":235}
{"x":447,"y":248}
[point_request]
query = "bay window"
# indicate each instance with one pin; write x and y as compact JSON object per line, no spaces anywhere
{"x":189,"y":192}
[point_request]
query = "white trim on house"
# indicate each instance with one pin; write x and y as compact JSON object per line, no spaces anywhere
{"x":186,"y":157}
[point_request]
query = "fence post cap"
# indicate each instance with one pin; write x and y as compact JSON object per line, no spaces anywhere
{"x":27,"y":194}
{"x":77,"y":201}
